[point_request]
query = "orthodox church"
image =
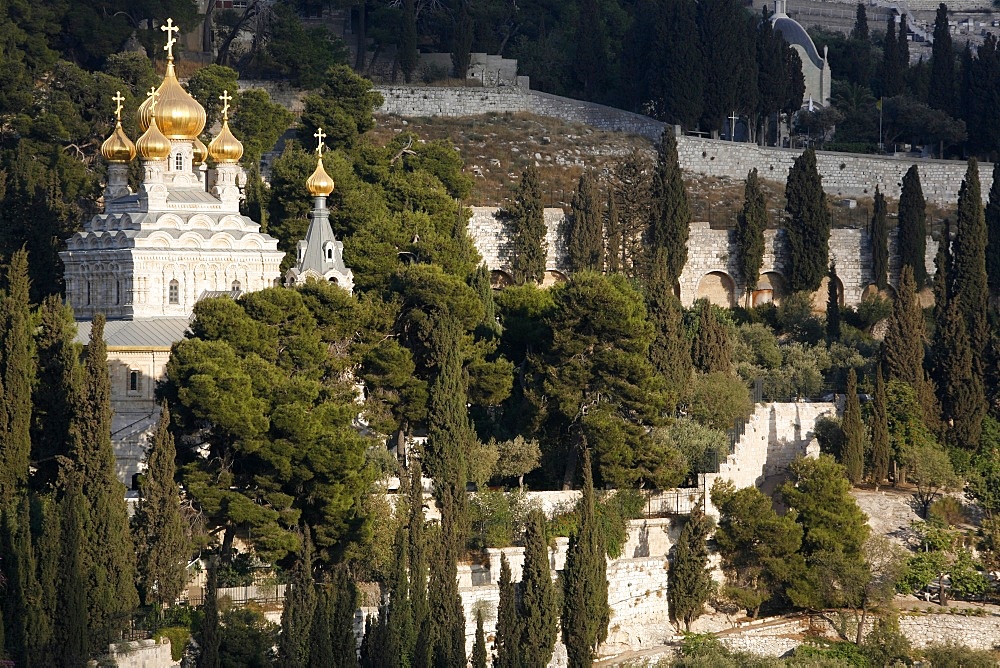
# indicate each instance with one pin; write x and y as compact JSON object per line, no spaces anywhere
{"x":815,"y":68}
{"x":151,"y":255}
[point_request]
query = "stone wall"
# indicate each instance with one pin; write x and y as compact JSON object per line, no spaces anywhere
{"x":491,"y":236}
{"x":142,"y":654}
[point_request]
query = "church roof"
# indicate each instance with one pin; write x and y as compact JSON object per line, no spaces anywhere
{"x":795,"y":34}
{"x":318,"y":238}
{"x":139,"y":333}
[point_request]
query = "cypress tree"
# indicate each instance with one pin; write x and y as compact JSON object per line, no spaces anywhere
{"x":373,"y":646}
{"x":992,"y":217}
{"x":892,"y":75}
{"x":24,"y":621}
{"x":710,"y":350}
{"x":833,"y":304}
{"x":968,"y":278}
{"x":670,"y":351}
{"x":674,"y":64}
{"x":860,"y":31}
{"x":689,"y":580}
{"x":854,"y":432}
{"x":878,"y":233}
{"x":320,"y":639}
{"x":401,"y":634}
{"x":112,"y":595}
{"x":49,"y":552}
{"x":480,"y":282}
{"x":540,"y":614}
{"x":749,"y":234}
{"x":807,"y":229}
{"x":479,"y":655}
{"x":941,"y":89}
{"x":211,"y":639}
{"x":417,"y":556}
{"x":585,"y":240}
{"x":162,"y":542}
{"x":963,"y":404}
{"x":299,"y":610}
{"x":912,"y":234}
{"x":408,"y":55}
{"x":881,"y":449}
{"x":17,"y":365}
{"x":444,"y":602}
{"x":669,"y":213}
{"x":70,"y":623}
{"x":343,"y":605}
{"x":527,"y":222}
{"x":585,"y":613}
{"x":903,"y":347}
{"x":903,"y":50}
{"x":461,"y":43}
{"x":590,"y":59}
{"x":613,"y":231}
{"x":508,"y":633}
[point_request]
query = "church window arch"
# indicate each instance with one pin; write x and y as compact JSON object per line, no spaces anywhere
{"x":88,"y":293}
{"x":236,"y":286}
{"x":328,"y":251}
{"x":178,"y":162}
{"x":174,"y":292}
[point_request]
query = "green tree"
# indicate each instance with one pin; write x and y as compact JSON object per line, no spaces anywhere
{"x":878,"y":235}
{"x":210,"y":639}
{"x":676,"y":73}
{"x":461,"y":43}
{"x":833,"y":303}
{"x":912,"y":236}
{"x":670,"y":350}
{"x":320,"y":640}
{"x":860,"y":30}
{"x":508,"y":633}
{"x":992,"y":217}
{"x":342,"y":606}
{"x":299,"y":609}
{"x":479,"y":655}
{"x":527,"y":230}
{"x":207,"y":84}
{"x":881,"y":450}
{"x":26,"y":628}
{"x":416,"y":549}
{"x":342,"y":106}
{"x":807,"y":228}
{"x":963,"y":402}
{"x":302,"y":55}
{"x":941,"y":88}
{"x":892,"y":70}
{"x":613,"y":232}
{"x":17,"y":370}
{"x":749,"y":234}
{"x":258,"y":121}
{"x":903,"y":346}
{"x":70,"y":624}
{"x":539,"y":604}
{"x":161,"y":539}
{"x":729,"y":60}
{"x":590,"y":61}
{"x":929,"y":468}
{"x":690,"y":582}
{"x":669,"y":212}
{"x":853,"y":457}
{"x":399,"y":617}
{"x":710,"y":351}
{"x":585,"y":613}
{"x":968,"y":278}
{"x":759,"y":548}
{"x":517,"y":457}
{"x":408,"y":54}
{"x":585,"y":239}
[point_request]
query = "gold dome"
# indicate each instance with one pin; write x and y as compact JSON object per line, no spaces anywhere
{"x":319,"y":184}
{"x":200,"y":152}
{"x":153,"y":145}
{"x":118,"y":147}
{"x":225,"y":147}
{"x":177,"y":113}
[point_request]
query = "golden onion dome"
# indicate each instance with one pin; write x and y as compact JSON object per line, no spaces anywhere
{"x":225,"y":147}
{"x":118,"y":148}
{"x":153,"y":144}
{"x":200,"y":152}
{"x":319,"y":184}
{"x":177,"y":113}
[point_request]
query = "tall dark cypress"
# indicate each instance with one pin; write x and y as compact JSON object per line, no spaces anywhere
{"x":903,"y":347}
{"x":903,"y":51}
{"x":401,"y":635}
{"x":912,"y":235}
{"x":807,"y":228}
{"x":461,"y":43}
{"x":669,"y":213}
{"x":408,"y":54}
{"x":585,"y":613}
{"x":963,"y":404}
{"x":860,"y":30}
{"x":24,"y":622}
{"x":508,"y":633}
{"x":585,"y":241}
{"x":417,"y":557}
{"x":941,"y":89}
{"x":444,"y":602}
{"x":480,"y":282}
{"x":878,"y":234}
{"x":853,"y":457}
{"x":881,"y":448}
{"x":527,"y":222}
{"x":299,"y":609}
{"x":320,"y":640}
{"x":670,"y":351}
{"x":71,"y":639}
{"x":892,"y":75}
{"x":46,"y":515}
{"x":710,"y":352}
{"x":674,"y":64}
{"x":590,"y":59}
{"x":17,"y":364}
{"x":833,"y":304}
{"x":112,"y":594}
{"x":539,"y":608}
{"x":613,"y":231}
{"x":479,"y":655}
{"x":969,"y":282}
{"x":343,"y":605}
{"x":749,"y":233}
{"x":689,"y":580}
{"x":992,"y":216}
{"x":729,"y":58}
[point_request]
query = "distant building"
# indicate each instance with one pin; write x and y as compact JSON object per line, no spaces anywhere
{"x":815,"y":68}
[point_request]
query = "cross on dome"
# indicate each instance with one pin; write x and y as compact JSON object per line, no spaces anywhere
{"x":170,"y":28}
{"x":118,"y":105}
{"x":320,"y":135}
{"x":152,"y":95}
{"x":225,"y":97}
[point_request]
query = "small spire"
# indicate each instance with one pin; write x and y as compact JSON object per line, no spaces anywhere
{"x":320,"y":135}
{"x":151,"y":96}
{"x":118,"y":105}
{"x":226,"y":98}
{"x":170,"y":28}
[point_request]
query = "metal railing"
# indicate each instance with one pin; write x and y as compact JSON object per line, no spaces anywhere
{"x":673,"y":502}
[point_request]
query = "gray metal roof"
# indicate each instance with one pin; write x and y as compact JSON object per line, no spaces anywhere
{"x":794,"y":33}
{"x":139,"y":333}
{"x":319,"y":235}
{"x":191,"y":196}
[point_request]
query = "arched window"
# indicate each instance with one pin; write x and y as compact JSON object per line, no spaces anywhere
{"x":236,"y":286}
{"x":178,"y":162}
{"x":329,"y":251}
{"x":333,"y":279}
{"x":118,"y":292}
{"x":174,"y":292}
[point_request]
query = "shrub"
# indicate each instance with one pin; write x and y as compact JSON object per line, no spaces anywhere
{"x":178,"y":635}
{"x":872,"y":309}
{"x":953,"y":655}
{"x":947,"y":510}
{"x":716,"y":400}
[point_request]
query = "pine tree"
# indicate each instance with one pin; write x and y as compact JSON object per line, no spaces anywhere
{"x":70,"y":623}
{"x":540,"y":613}
{"x":912,"y":235}
{"x":508,"y":633}
{"x":161,"y":538}
{"x":854,"y":432}
{"x":941,"y":88}
{"x":669,"y":213}
{"x":992,"y":217}
{"x":408,"y":55}
{"x":320,"y":639}
{"x":17,"y":371}
{"x":710,"y":351}
{"x":299,"y":610}
{"x":343,"y":605}
{"x":585,"y":240}
{"x":833,"y":304}
{"x":749,"y":234}
{"x":860,"y":31}
{"x":878,"y":233}
{"x":892,"y":75}
{"x":670,"y":351}
{"x":585,"y":613}
{"x":807,"y":229}
{"x":527,"y":230}
{"x":479,"y":655}
{"x":111,"y":571}
{"x":969,"y":282}
{"x":689,"y":580}
{"x":613,"y":232}
{"x":881,"y":448}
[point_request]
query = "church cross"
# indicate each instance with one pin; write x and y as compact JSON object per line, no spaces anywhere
{"x":118,"y":105}
{"x":152,"y":95}
{"x":225,"y":97}
{"x":320,"y":135}
{"x":732,"y":126}
{"x":170,"y":28}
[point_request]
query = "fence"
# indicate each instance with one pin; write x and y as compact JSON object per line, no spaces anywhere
{"x":673,"y":502}
{"x":244,"y":595}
